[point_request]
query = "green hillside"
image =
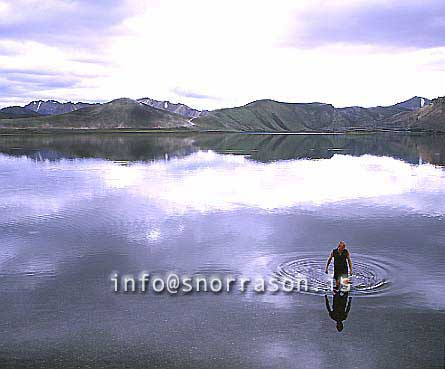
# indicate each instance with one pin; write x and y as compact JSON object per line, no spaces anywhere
{"x":430,"y":117}
{"x":273,"y":116}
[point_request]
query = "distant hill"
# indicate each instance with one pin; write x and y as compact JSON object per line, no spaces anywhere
{"x":120,"y":113}
{"x":373,"y":117}
{"x":273,"y":116}
{"x":179,"y":108}
{"x":269,"y":115}
{"x":430,"y":117}
{"x":52,"y":107}
{"x":414,"y":103}
{"x":17,"y":112}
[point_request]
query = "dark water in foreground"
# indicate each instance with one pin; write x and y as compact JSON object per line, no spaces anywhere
{"x":75,"y":208}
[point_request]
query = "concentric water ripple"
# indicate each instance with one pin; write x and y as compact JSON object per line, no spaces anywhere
{"x":371,"y":276}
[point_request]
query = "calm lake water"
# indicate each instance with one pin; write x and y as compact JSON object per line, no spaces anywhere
{"x":76,"y":208}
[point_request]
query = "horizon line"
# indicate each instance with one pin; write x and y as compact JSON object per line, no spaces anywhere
{"x":92,"y":102}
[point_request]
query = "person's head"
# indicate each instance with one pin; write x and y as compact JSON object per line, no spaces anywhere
{"x":341,"y":246}
{"x":339,"y":326}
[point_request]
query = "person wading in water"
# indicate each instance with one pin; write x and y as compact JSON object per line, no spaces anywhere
{"x":341,"y":261}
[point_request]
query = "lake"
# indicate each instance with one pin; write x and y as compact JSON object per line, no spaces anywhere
{"x":76,"y":208}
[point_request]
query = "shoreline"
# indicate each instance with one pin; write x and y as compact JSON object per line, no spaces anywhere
{"x":56,"y":131}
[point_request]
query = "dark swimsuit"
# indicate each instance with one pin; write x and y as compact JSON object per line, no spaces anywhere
{"x":340,"y":263}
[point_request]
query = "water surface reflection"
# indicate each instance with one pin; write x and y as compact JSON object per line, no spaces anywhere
{"x":75,"y":208}
{"x":341,"y":305}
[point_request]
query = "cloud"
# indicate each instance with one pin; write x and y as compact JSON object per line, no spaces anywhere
{"x":417,"y":24}
{"x":190,"y":94}
{"x":58,"y":48}
{"x":32,"y":80}
{"x":33,"y":70}
{"x":22,"y":83}
{"x":65,"y":23}
{"x":223,"y":53}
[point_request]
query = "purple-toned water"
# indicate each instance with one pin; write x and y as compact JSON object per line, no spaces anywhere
{"x":75,"y":208}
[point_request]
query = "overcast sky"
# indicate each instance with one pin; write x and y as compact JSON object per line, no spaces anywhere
{"x":211,"y":54}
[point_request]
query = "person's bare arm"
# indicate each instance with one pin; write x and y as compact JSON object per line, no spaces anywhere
{"x":350,"y":264}
{"x":329,"y":262}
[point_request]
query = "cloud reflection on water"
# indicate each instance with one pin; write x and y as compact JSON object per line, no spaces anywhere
{"x":207,"y":181}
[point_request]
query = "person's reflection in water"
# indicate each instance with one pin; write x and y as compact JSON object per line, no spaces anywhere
{"x":339,"y":310}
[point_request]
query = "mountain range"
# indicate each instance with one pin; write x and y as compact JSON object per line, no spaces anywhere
{"x":417,"y":113}
{"x":51,"y":107}
{"x":180,"y":109}
{"x":116,"y":114}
